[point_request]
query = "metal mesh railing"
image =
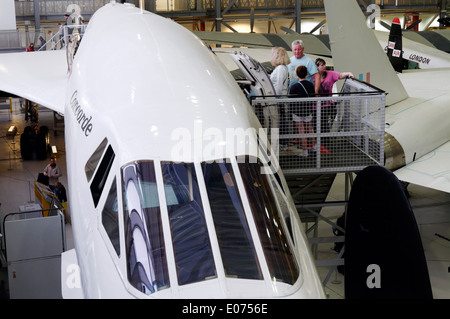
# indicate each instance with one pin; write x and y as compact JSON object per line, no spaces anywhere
{"x":339,"y":133}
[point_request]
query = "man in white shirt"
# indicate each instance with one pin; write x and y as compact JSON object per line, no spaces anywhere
{"x":53,"y":172}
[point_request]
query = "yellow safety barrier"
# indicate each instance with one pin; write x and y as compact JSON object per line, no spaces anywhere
{"x":45,"y":197}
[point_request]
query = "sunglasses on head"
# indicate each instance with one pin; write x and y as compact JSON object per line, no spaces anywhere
{"x":319,"y":61}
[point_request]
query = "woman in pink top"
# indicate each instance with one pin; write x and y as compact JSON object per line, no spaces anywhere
{"x":329,"y":77}
{"x":326,"y":88}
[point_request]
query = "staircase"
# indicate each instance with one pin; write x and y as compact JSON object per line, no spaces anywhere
{"x":309,"y":190}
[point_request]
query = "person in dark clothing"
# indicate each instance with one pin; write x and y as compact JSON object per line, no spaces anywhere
{"x":302,"y":112}
{"x":60,"y":192}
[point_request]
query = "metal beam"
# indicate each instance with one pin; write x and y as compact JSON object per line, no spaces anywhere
{"x":232,"y":2}
{"x":443,"y":13}
{"x":298,"y":15}
{"x":219,"y":17}
{"x":37,"y":20}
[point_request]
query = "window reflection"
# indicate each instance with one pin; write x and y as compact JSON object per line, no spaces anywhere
{"x":144,"y":241}
{"x":98,"y":183}
{"x":110,"y":218}
{"x":193,"y":254}
{"x":280,"y":260}
{"x":235,"y":241}
{"x":91,"y":164}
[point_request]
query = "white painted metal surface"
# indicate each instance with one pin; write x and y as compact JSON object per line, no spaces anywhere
{"x":161,"y":98}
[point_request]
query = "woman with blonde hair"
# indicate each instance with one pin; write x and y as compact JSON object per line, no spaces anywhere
{"x":280,"y":81}
{"x":280,"y":74}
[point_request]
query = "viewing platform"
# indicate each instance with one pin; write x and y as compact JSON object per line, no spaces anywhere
{"x":347,"y":130}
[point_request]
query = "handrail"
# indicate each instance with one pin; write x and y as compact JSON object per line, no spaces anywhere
{"x":50,"y":40}
{"x":58,"y":212}
{"x":66,"y":34}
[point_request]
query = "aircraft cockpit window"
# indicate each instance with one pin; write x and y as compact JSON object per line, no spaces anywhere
{"x":91,"y":164}
{"x":98,"y":183}
{"x":233,"y":233}
{"x":263,"y":203}
{"x":191,"y":244}
{"x":110,"y":218}
{"x":282,"y":201}
{"x":144,"y":239}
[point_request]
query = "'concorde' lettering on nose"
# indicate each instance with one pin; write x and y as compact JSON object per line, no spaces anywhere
{"x":81,"y":117}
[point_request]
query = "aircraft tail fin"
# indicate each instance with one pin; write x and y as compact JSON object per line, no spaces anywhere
{"x":395,"y":46}
{"x":355,"y":48}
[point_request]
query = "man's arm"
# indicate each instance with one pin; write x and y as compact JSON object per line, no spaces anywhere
{"x":57,"y":172}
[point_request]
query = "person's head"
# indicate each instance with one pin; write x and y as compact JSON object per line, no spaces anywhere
{"x":31,"y":45}
{"x":52,"y":162}
{"x":302,"y":72}
{"x":297,"y":48}
{"x":279,"y":57}
{"x":58,"y":185}
{"x":321,"y":65}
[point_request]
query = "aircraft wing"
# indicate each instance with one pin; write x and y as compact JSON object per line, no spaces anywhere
{"x":431,"y":170}
{"x":40,"y":77}
{"x":313,"y":44}
{"x":416,"y":47}
{"x":439,"y":39}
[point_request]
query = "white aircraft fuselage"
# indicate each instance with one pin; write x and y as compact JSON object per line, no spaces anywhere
{"x":149,"y":116}
{"x":425,"y":56}
{"x":419,"y":124}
